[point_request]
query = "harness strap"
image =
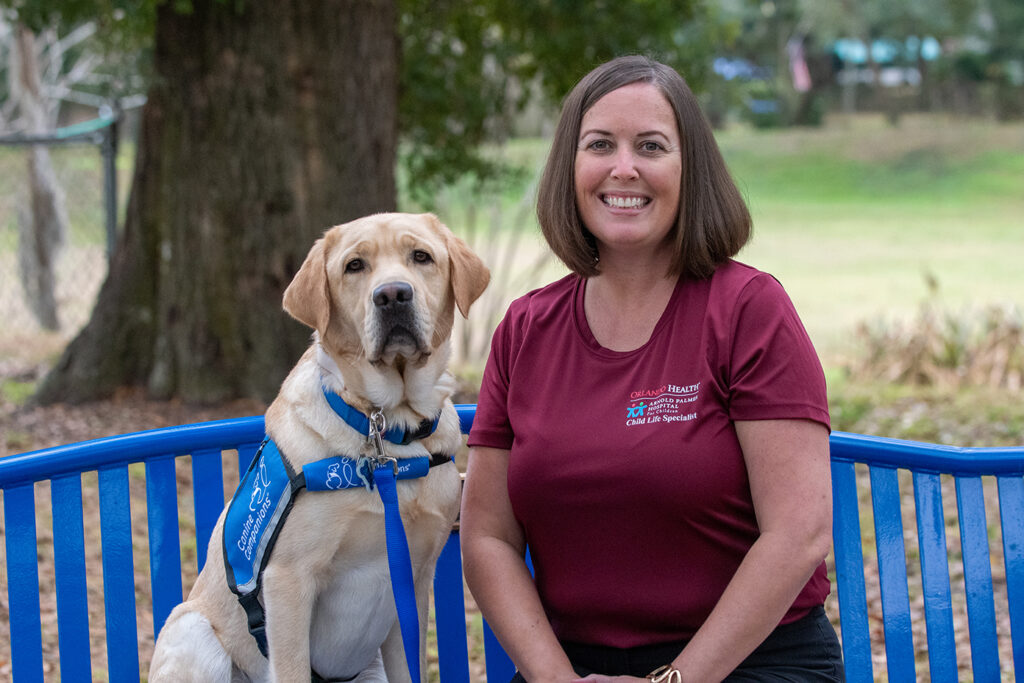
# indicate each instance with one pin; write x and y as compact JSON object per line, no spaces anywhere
{"x":255,"y":619}
{"x":262,"y":502}
{"x":314,"y":677}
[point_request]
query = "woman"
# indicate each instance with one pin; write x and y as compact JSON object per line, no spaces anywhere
{"x":653,"y":426}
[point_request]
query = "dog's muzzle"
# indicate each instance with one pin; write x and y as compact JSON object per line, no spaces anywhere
{"x":397,"y":321}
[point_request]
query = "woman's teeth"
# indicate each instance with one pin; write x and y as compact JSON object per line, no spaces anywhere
{"x":625,"y":202}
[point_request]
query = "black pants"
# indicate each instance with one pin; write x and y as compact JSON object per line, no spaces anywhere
{"x":805,"y":650}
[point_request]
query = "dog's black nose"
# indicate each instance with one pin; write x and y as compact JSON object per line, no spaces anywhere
{"x":392,"y":293}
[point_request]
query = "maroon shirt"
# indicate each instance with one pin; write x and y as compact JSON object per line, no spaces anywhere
{"x":625,"y":471}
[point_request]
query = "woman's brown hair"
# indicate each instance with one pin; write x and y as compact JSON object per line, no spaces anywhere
{"x":713,"y":222}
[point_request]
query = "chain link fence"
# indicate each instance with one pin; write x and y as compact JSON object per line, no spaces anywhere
{"x":82,"y":161}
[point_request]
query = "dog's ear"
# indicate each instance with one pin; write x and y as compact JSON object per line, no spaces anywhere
{"x":469,"y":275}
{"x":306,"y":299}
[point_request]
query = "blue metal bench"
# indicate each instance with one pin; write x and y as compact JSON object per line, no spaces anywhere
{"x":868,"y":474}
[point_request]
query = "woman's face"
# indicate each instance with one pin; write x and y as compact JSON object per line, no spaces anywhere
{"x":628,"y":169}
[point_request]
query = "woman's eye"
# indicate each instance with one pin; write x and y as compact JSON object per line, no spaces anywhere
{"x":420,"y":256}
{"x":355,"y":265}
{"x":599,"y":146}
{"x":651,"y":147}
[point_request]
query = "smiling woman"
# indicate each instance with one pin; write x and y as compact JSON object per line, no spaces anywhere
{"x":696,"y":462}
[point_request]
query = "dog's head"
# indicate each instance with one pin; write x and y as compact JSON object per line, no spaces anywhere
{"x":385,"y":287}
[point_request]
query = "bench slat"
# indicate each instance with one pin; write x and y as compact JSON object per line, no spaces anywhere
{"x":118,"y":575}
{"x":23,"y":583}
{"x":207,"y":498}
{"x":246,"y":453}
{"x":450,"y":614}
{"x":69,"y":578}
{"x":1011,"y":512}
{"x":892,"y":573}
{"x":853,"y":603}
{"x":499,"y":665}
{"x":938,"y":606}
{"x":981,"y":616}
{"x":164,"y":544}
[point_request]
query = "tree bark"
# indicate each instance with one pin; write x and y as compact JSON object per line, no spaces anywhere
{"x":267,"y":122}
{"x":42,"y":219}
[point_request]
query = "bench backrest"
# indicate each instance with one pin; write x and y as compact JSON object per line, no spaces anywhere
{"x":899,"y":492}
{"x":868,"y":474}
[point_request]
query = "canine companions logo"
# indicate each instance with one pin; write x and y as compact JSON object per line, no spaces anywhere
{"x":664,"y":404}
{"x":259,"y":488}
{"x":344,"y":474}
{"x":266,"y":481}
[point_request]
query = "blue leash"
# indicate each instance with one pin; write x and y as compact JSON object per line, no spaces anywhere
{"x":399,"y":560}
{"x":400,"y":564}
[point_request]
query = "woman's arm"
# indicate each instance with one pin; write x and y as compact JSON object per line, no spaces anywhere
{"x":790,"y":482}
{"x":493,"y":548}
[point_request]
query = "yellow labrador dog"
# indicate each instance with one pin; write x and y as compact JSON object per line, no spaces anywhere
{"x":380,"y":293}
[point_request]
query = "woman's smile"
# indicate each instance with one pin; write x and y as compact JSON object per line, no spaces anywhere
{"x":625,"y":201}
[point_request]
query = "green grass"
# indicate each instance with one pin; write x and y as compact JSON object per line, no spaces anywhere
{"x":15,"y":391}
{"x":969,"y":417}
{"x":857,"y":217}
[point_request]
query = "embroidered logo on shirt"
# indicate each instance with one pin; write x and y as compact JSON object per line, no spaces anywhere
{"x":665,"y":404}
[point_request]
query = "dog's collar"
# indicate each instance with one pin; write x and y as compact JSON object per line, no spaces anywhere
{"x":361,"y":423}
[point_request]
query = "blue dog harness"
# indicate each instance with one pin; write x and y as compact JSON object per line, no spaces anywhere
{"x":258,"y":510}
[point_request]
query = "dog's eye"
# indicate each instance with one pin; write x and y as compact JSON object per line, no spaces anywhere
{"x":355,"y":265}
{"x":420,"y":256}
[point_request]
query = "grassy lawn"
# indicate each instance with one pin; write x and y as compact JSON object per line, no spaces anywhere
{"x":857,"y":218}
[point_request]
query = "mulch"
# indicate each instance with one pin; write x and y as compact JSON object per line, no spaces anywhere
{"x":28,"y":428}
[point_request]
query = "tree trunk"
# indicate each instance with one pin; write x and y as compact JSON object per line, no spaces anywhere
{"x":42,"y":219}
{"x":267,"y":122}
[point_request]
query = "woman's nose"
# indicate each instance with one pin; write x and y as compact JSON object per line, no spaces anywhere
{"x":625,"y":164}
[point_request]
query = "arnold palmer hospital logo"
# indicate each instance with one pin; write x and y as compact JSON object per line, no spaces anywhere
{"x":665,"y":404}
